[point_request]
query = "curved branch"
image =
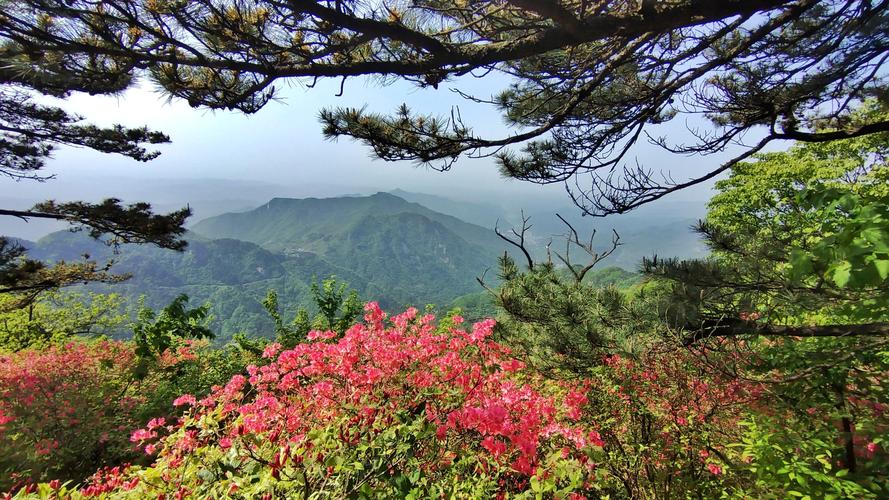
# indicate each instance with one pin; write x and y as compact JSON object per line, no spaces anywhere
{"x":735,"y":328}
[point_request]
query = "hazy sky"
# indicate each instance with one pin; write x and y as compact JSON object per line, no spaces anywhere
{"x":280,"y":151}
{"x":281,"y":144}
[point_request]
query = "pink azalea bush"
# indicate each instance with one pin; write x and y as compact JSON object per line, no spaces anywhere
{"x":408,"y":408}
{"x":69,"y":409}
{"x":405,"y":407}
{"x":65,"y":409}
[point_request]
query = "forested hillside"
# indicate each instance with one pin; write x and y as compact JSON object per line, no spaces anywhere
{"x":398,"y":252}
{"x":703,"y":314}
{"x":400,"y":258}
{"x":232,"y":275}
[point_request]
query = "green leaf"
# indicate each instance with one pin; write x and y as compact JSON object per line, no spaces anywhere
{"x":801,"y":263}
{"x":842,"y":273}
{"x":877,"y":237}
{"x":882,"y":266}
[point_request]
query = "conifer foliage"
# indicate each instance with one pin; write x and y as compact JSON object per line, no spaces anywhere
{"x":588,"y":80}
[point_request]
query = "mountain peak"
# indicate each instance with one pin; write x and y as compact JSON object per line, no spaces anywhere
{"x":313,"y":224}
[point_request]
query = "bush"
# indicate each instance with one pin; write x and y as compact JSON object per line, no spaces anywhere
{"x":66,"y":410}
{"x":408,"y":410}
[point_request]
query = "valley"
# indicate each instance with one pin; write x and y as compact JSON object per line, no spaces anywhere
{"x":387,"y":248}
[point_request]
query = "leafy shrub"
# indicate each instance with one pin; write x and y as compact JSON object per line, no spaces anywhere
{"x":155,"y":333}
{"x":406,"y":408}
{"x":56,"y":317}
{"x":66,"y":410}
{"x":337,"y":311}
{"x":412,"y":409}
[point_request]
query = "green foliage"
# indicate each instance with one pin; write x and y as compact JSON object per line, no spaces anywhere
{"x":337,"y":311}
{"x":798,"y":237}
{"x":57,"y":317}
{"x":562,"y":323}
{"x":782,"y":463}
{"x":32,"y":131}
{"x":851,"y":244}
{"x":154,"y":333}
{"x":799,"y":249}
{"x":133,"y":223}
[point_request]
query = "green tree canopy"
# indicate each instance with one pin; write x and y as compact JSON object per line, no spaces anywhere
{"x":587,"y":81}
{"x":799,"y":242}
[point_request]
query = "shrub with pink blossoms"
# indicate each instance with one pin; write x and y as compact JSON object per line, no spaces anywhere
{"x":392,"y":408}
{"x":670,"y":420}
{"x":65,"y":410}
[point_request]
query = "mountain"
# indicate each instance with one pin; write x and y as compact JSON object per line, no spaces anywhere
{"x":662,"y":228}
{"x":389,"y":250}
{"x":404,"y":251}
{"x":316,"y":224}
{"x":482,"y":214}
{"x":232,"y":275}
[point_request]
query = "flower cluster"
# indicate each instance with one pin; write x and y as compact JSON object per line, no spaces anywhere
{"x":394,"y":405}
{"x":64,"y":403}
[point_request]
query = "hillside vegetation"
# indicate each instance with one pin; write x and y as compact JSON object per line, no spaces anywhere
{"x":399,"y":253}
{"x":400,"y":347}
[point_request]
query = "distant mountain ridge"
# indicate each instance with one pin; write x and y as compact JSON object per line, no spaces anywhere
{"x":310,"y":224}
{"x":391,"y":250}
{"x":482,"y":214}
{"x":406,"y":252}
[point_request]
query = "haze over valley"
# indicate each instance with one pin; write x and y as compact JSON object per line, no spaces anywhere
{"x":390,"y":247}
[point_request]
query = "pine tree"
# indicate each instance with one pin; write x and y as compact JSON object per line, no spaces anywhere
{"x":588,"y":80}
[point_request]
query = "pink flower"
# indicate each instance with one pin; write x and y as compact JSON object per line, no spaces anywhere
{"x":495,"y":446}
{"x":155,"y":423}
{"x":142,"y":435}
{"x":317,"y":334}
{"x":271,"y":350}
{"x":185,"y":399}
{"x":714,"y":469}
{"x":595,"y":439}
